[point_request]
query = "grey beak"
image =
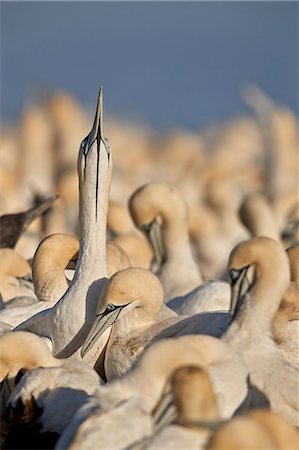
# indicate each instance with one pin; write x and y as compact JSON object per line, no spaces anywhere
{"x":165,"y":412}
{"x":155,"y":236}
{"x":100,"y":325}
{"x":97,"y":128}
{"x":239,"y":289}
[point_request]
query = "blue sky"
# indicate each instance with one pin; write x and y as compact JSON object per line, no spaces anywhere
{"x":167,"y":63}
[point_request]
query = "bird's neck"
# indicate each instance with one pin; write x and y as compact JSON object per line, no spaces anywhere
{"x":92,"y":262}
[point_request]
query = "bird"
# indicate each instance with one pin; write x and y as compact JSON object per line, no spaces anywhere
{"x":45,"y":392}
{"x":23,"y":350}
{"x":124,"y":233}
{"x":50,"y":260}
{"x":279,"y":142}
{"x":20,"y":351}
{"x":5,"y":327}
{"x":58,"y":391}
{"x":13,"y":225}
{"x":285,"y":325}
{"x":159,"y":210}
{"x":260,"y":275}
{"x":130,"y":304}
{"x":258,"y":216}
{"x":193,"y":415}
{"x":90,"y":424}
{"x":15,"y":274}
{"x":58,"y":252}
{"x":145,"y":384}
{"x":52,"y":257}
{"x":212,"y":295}
{"x":293,"y":255}
{"x":67,"y":323}
{"x":256,"y":429}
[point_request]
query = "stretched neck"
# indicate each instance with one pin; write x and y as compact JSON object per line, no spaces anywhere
{"x":94,"y":186}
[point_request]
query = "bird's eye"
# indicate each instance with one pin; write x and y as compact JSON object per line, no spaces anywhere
{"x":107,"y":144}
{"x":110,"y":307}
{"x":234,"y":274}
{"x":83,"y":143}
{"x":147,"y":228}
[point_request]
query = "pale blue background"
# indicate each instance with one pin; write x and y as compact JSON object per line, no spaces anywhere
{"x":168,"y":63}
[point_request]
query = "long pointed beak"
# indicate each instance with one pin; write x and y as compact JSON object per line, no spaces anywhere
{"x":239,"y":289}
{"x":97,"y":128}
{"x":155,"y":236}
{"x":100,"y":325}
{"x":102,"y":322}
{"x":165,"y":412}
{"x":42,"y":207}
{"x":97,"y":131}
{"x":96,"y":140}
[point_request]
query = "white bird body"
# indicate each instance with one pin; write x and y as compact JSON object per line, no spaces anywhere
{"x":5,"y":327}
{"x":92,"y":426}
{"x":16,"y":315}
{"x":272,"y":375}
{"x":173,"y":437}
{"x":20,"y":300}
{"x":124,"y":348}
{"x":227,"y":371}
{"x":250,"y":332}
{"x":131,"y":303}
{"x":58,"y":391}
{"x":150,"y":374}
{"x":129,"y":401}
{"x":209,"y":296}
{"x":285,"y":325}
